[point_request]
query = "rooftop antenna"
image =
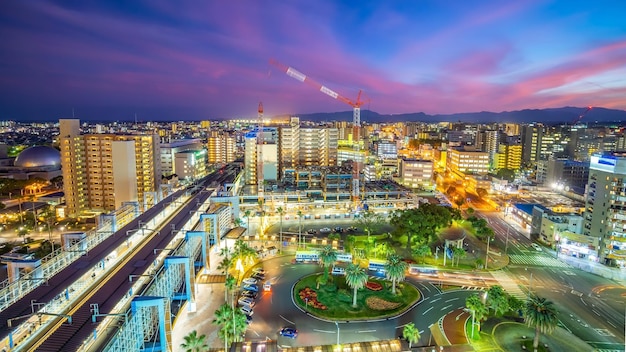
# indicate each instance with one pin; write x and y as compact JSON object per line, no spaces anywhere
{"x":72,"y":112}
{"x":135,"y":118}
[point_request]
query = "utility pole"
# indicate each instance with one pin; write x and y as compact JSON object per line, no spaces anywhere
{"x":487,"y":254}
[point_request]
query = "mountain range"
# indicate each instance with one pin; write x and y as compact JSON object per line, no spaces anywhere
{"x":567,"y":114}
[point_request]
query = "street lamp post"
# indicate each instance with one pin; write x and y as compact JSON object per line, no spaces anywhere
{"x":506,"y":246}
{"x":530,"y":283}
{"x":337,"y":324}
{"x":487,"y":254}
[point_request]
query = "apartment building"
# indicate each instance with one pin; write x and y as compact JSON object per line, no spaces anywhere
{"x":509,"y":156}
{"x":168,"y":153}
{"x":222,"y":147}
{"x":102,"y":171}
{"x":467,"y":161}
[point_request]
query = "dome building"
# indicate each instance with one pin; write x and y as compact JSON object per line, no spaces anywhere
{"x":39,"y":157}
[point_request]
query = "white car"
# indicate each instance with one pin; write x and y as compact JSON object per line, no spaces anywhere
{"x":246,"y":301}
{"x":325,"y":230}
{"x":536,"y":247}
{"x":250,"y":281}
{"x":247,"y":310}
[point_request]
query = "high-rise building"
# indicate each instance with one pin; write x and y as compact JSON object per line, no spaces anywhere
{"x":269,"y":154}
{"x":307,"y":146}
{"x":509,"y":156}
{"x":222,"y":147}
{"x":567,"y":174}
{"x":101,"y":171}
{"x":416,"y":173}
{"x":605,"y":208}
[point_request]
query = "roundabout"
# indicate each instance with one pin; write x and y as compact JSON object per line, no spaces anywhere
{"x":333,"y":301}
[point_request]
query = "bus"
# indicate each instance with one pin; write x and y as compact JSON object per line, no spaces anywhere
{"x":423,"y":270}
{"x":377,"y":266}
{"x":344,"y":257}
{"x":307,"y":256}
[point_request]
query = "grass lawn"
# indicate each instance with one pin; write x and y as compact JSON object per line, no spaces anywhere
{"x":337,"y":296}
{"x":468,"y":330}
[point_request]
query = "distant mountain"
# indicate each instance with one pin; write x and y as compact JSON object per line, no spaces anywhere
{"x":566,"y":114}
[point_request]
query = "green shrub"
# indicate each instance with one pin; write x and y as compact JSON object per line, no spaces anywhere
{"x":344,"y":296}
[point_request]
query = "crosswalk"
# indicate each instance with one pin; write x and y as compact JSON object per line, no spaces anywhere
{"x":508,"y":284}
{"x":534,"y":260}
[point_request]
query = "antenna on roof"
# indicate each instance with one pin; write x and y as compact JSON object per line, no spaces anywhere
{"x":135,"y":118}
{"x":72,"y":112}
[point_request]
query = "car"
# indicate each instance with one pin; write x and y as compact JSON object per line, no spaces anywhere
{"x":351,"y":229}
{"x":254,"y":288}
{"x":338,"y":229}
{"x":247,"y":310}
{"x":536,"y":247}
{"x":258,"y":270}
{"x":288,"y":332}
{"x":248,"y":319}
{"x":246,"y":301}
{"x":258,"y":276}
{"x":250,"y":281}
{"x":250,"y":294}
{"x":325,"y":230}
{"x":311,"y":232}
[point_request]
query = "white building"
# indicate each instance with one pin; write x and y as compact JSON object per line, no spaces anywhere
{"x":416,"y":173}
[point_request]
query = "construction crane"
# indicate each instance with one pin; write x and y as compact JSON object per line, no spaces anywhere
{"x":581,"y":116}
{"x":356,"y":118}
{"x":259,"y":150}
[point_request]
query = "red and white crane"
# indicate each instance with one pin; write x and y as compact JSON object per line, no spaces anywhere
{"x":356,"y":118}
{"x":580,"y":117}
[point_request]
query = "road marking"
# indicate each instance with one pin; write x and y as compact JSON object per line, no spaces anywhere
{"x":426,"y":311}
{"x":446,"y":307}
{"x":326,"y":331}
{"x":361,"y":331}
{"x":608,"y":321}
{"x":401,"y":326}
{"x":582,"y":300}
{"x":435,"y":300}
{"x":452,"y":299}
{"x":287,"y":320}
{"x":256,"y":333}
{"x":595,"y":312}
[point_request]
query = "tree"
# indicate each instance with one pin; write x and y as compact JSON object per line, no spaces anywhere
{"x":232,"y":324}
{"x":49,"y":217}
{"x":382,"y":250}
{"x":356,"y":277}
{"x":420,"y":224}
{"x":411,"y":333}
{"x":477,"y":308}
{"x":469,"y":211}
{"x":458,"y":253}
{"x":247,"y":214}
{"x":230,"y":283}
{"x":497,"y":300}
{"x":422,"y":251}
{"x":280,"y":212}
{"x":194,"y":343}
{"x":22,"y":232}
{"x":540,"y":314}
{"x":395,"y":270}
{"x":506,"y":174}
{"x":328,"y":256}
{"x":370,"y":221}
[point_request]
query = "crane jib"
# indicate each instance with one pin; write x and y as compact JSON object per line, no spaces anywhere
{"x":296,"y":74}
{"x":328,"y":92}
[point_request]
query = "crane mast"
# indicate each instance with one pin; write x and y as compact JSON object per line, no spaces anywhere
{"x":356,"y":119}
{"x":581,"y":116}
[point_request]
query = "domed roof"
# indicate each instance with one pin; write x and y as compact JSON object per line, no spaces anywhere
{"x":38,"y":156}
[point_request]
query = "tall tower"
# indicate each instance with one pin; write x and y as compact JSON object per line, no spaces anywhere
{"x":260,"y":142}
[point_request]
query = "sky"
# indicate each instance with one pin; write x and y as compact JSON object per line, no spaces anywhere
{"x":198,"y":59}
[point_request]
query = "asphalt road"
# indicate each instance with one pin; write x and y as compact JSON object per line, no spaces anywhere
{"x":276,"y":309}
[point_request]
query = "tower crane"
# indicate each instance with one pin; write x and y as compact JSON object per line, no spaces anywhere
{"x":356,"y":118}
{"x":581,"y":116}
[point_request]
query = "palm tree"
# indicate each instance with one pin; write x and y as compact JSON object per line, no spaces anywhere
{"x":411,"y":333}
{"x":194,"y":343}
{"x":541,"y":315}
{"x":395,"y":270}
{"x":247,"y":214}
{"x":49,"y":217}
{"x":356,"y":277}
{"x":299,"y":227}
{"x":478,"y":309}
{"x":422,"y":251}
{"x":328,"y":256}
{"x":280,"y":212}
{"x":230,"y":284}
{"x":497,"y":300}
{"x":222,"y":317}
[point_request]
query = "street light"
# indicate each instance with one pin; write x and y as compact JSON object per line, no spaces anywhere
{"x":337,"y":324}
{"x":530,"y":283}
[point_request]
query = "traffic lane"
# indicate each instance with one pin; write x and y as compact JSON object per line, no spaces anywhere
{"x":575,"y":312}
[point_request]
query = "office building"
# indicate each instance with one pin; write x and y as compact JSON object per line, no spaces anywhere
{"x":468,"y":161}
{"x":268,"y":150}
{"x":416,"y":173}
{"x":605,"y":209}
{"x":565,"y":174}
{"x":168,"y":153}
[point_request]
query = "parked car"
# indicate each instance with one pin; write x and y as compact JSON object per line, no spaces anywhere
{"x":247,"y":310}
{"x":289,"y":332}
{"x":254,"y":288}
{"x":258,"y":276}
{"x":250,"y":281}
{"x":258,"y":270}
{"x":536,"y":247}
{"x":246,"y":301}
{"x":248,"y":319}
{"x":250,"y":294}
{"x":351,"y":229}
{"x":325,"y":230}
{"x":311,"y":232}
{"x":338,"y":229}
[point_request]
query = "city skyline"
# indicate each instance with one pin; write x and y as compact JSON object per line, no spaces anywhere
{"x":211,"y":60}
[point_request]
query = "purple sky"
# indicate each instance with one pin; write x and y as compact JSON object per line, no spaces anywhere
{"x":210,"y":59}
